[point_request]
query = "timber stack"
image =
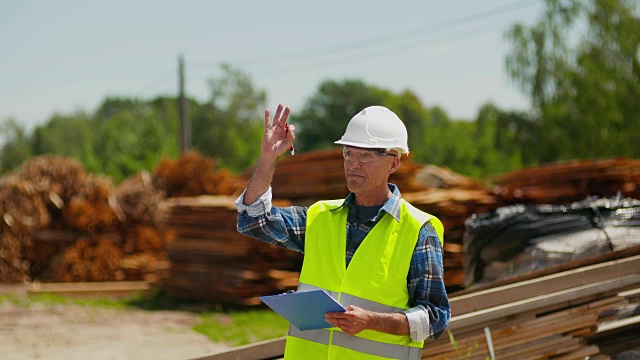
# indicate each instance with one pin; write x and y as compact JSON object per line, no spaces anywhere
{"x":570,"y":181}
{"x":62,"y":224}
{"x":439,"y":191}
{"x":211,"y":261}
{"x":588,"y":309}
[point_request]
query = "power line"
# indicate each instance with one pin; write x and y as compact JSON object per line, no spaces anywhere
{"x":355,"y":46}
{"x":300,"y":65}
{"x":162,"y":80}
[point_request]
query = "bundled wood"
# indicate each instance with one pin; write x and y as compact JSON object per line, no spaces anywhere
{"x":20,"y":205}
{"x":211,"y":261}
{"x":91,"y":259}
{"x":145,"y":239}
{"x":439,"y":191}
{"x":50,"y":203}
{"x":14,"y":268}
{"x":138,"y":198}
{"x":432,"y":176}
{"x":559,"y":316}
{"x":52,"y":173}
{"x":323,"y":177}
{"x":22,"y":212}
{"x":93,"y":209}
{"x":194,"y":174}
{"x":570,"y":181}
{"x":553,"y":317}
{"x":146,"y":266}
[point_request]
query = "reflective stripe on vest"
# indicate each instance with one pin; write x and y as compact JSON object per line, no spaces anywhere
{"x":391,"y":351}
{"x":347,"y":299}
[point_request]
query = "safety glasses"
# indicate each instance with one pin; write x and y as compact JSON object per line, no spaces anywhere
{"x":364,"y":156}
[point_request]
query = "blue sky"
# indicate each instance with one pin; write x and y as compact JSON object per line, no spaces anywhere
{"x":63,"y":56}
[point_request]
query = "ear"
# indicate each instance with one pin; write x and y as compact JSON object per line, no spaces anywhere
{"x":394,"y":165}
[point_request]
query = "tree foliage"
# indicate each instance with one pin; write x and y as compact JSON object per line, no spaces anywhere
{"x":126,"y":135}
{"x":579,"y":64}
{"x":230,"y":125}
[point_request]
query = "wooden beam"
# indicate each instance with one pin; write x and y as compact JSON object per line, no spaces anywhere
{"x":551,"y":283}
{"x":514,"y":308}
{"x":591,"y":260}
{"x":89,"y":289}
{"x":268,"y":349}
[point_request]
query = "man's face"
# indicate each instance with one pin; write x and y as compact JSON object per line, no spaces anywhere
{"x":368,"y":170}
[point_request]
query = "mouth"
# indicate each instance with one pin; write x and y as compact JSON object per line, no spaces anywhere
{"x":355,"y":176}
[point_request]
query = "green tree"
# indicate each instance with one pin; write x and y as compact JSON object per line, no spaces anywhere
{"x":579,"y":64}
{"x":230,"y":125}
{"x":133,"y":135}
{"x":16,"y":147}
{"x":325,"y":114}
{"x":67,"y":135}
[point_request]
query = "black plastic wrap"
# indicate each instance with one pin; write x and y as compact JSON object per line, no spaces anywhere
{"x":506,"y":232}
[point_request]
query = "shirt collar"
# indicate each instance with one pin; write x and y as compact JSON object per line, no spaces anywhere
{"x":391,"y":206}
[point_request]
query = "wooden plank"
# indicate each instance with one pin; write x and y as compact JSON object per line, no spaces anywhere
{"x":90,"y":289}
{"x":592,"y":260}
{"x":268,"y":349}
{"x":478,"y":317}
{"x":556,"y":282}
{"x":579,"y":354}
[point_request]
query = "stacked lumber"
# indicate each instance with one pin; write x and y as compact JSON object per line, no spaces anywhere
{"x":588,"y":311}
{"x":22,"y":211}
{"x":437,"y":190}
{"x":194,"y":174}
{"x":211,"y":261}
{"x":319,"y":175}
{"x":570,"y":181}
{"x":62,"y":224}
{"x":558,"y":316}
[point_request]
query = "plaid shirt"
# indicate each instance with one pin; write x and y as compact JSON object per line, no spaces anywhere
{"x":285,"y":226}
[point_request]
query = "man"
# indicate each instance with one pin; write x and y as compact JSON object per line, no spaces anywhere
{"x":374,"y":252}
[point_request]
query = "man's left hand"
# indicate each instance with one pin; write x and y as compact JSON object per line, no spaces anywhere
{"x":352,"y":321}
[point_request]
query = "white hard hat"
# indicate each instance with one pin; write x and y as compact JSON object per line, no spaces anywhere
{"x":376,"y":127}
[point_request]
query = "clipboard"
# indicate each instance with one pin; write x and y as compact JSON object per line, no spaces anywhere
{"x":304,"y":309}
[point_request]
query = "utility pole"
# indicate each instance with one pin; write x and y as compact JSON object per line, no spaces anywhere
{"x":185,"y":126}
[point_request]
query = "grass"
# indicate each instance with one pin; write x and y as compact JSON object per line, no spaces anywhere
{"x":237,"y":328}
{"x":230,"y":326}
{"x":53,"y":299}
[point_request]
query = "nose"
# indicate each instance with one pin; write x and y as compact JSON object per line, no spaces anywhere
{"x":351,"y":163}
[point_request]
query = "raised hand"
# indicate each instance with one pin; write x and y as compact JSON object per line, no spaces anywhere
{"x":278,"y":134}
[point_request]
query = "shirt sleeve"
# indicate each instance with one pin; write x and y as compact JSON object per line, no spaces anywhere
{"x":281,"y":226}
{"x":430,"y":312}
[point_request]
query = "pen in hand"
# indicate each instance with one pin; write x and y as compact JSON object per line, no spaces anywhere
{"x":291,"y":149}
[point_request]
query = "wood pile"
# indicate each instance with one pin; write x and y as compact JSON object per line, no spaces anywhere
{"x":570,"y":181}
{"x":211,"y":261}
{"x":567,"y":315}
{"x":60,"y":223}
{"x":192,"y":175}
{"x":588,"y":310}
{"x":437,"y":190}
{"x":319,"y":175}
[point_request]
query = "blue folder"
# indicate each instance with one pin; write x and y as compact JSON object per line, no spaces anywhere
{"x":304,"y":309}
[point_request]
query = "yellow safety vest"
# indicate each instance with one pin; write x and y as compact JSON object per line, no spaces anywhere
{"x":375,"y":280}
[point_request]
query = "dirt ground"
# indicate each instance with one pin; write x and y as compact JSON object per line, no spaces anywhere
{"x":70,"y":332}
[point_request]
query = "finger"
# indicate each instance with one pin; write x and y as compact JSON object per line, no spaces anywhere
{"x":276,"y":117}
{"x":267,"y":119}
{"x":285,"y":115}
{"x":337,"y":316}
